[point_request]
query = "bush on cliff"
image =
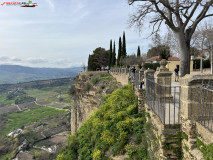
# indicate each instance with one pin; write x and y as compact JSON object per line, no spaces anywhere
{"x":109,"y":131}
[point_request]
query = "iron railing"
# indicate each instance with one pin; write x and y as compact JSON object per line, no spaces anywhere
{"x":164,"y":101}
{"x":206,"y":105}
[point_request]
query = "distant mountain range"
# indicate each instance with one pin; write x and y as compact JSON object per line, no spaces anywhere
{"x":15,"y":73}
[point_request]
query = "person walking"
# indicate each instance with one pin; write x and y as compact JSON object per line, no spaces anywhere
{"x":133,"y":72}
{"x":142,"y":83}
{"x":176,"y":74}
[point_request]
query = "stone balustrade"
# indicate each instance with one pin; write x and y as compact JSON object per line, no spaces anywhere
{"x":188,"y":113}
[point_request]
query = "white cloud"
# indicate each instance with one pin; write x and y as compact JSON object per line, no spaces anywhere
{"x":36,"y":60}
{"x":39,"y":62}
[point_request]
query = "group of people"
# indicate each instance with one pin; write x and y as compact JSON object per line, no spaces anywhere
{"x":176,"y":71}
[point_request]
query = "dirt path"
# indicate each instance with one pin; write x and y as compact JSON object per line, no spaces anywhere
{"x":17,"y":107}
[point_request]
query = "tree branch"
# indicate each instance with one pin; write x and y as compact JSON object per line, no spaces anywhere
{"x":191,"y":14}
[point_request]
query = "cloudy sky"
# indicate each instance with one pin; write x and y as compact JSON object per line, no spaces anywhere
{"x":63,"y":33}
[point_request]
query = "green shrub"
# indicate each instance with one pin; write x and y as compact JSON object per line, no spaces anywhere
{"x":24,"y":99}
{"x":131,"y":150}
{"x":206,"y":64}
{"x":108,"y":129}
{"x":96,"y":155}
{"x":152,"y":65}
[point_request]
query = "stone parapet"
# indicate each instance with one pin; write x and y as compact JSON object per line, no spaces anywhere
{"x":189,"y":114}
{"x":167,"y":138}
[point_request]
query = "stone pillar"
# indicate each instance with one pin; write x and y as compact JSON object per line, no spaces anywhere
{"x":137,"y":67}
{"x":190,"y":107}
{"x":163,"y":78}
{"x":148,"y":74}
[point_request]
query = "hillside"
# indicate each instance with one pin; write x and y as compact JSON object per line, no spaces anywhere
{"x":115,"y":131}
{"x":34,"y":119}
{"x":26,"y":74}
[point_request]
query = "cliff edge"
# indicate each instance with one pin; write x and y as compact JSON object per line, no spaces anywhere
{"x":90,"y":87}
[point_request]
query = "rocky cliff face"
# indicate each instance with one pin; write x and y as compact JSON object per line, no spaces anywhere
{"x":90,"y":87}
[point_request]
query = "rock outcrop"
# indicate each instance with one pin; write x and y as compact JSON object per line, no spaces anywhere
{"x":90,"y":87}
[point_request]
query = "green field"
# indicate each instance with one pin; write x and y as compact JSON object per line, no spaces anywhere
{"x":3,"y":99}
{"x":18,"y":120}
{"x":40,"y":93}
{"x":50,"y":94}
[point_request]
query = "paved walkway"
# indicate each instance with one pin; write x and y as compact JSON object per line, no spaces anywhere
{"x":175,"y":83}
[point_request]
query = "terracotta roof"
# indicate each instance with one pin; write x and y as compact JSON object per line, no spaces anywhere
{"x":158,"y":58}
{"x":196,"y":58}
{"x":173,"y":59}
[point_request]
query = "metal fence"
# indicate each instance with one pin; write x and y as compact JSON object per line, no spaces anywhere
{"x":206,"y":105}
{"x":164,"y":101}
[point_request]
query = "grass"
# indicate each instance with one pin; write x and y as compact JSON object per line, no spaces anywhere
{"x":40,"y":94}
{"x":3,"y":100}
{"x":50,"y":93}
{"x":17,"y":120}
{"x":100,"y":77}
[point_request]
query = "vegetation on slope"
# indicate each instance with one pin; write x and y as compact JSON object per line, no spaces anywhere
{"x":19,"y":120}
{"x":40,"y":109}
{"x":114,"y":129}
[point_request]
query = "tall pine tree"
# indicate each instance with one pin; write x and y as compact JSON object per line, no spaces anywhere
{"x":113,"y":55}
{"x":124,"y":54}
{"x":139,"y":52}
{"x":120,"y":51}
{"x":110,"y":55}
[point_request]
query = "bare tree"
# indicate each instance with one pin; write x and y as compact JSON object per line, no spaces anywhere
{"x":181,"y":16}
{"x":204,"y":39}
{"x":132,"y":60}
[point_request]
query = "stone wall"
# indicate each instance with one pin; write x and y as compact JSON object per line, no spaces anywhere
{"x":204,"y":134}
{"x":189,"y":115}
{"x":122,"y":78}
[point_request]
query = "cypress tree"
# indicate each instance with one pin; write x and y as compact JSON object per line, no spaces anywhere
{"x":124,"y":54}
{"x":89,"y":63}
{"x":113,"y":55}
{"x":119,"y":51}
{"x":110,"y":55}
{"x":139,"y":52}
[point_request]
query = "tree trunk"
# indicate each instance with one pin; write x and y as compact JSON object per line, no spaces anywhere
{"x":211,"y":59}
{"x":184,"y":49}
